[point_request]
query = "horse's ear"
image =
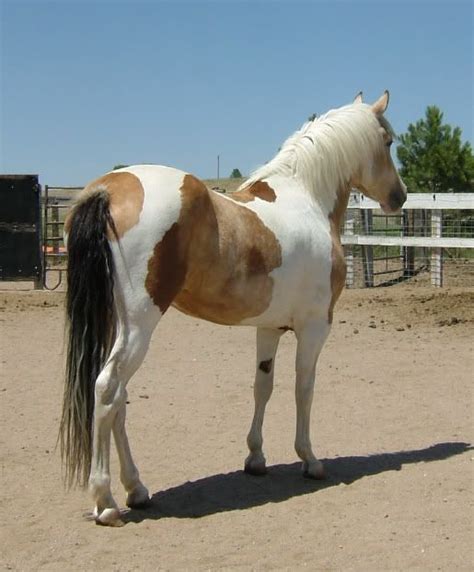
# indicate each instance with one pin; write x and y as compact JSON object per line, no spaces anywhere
{"x":381,"y":104}
{"x":357,"y":98}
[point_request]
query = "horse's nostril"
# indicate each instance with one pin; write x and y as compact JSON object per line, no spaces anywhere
{"x":396,"y":198}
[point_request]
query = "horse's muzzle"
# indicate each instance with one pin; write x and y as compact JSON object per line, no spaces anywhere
{"x":396,"y":199}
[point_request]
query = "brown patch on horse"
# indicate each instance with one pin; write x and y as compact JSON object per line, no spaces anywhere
{"x":126,"y":198}
{"x":266,"y":366}
{"x":166,"y":270}
{"x":338,"y":268}
{"x":260,"y":189}
{"x":219,"y":254}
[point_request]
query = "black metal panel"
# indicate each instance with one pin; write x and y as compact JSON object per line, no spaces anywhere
{"x":20,"y":227}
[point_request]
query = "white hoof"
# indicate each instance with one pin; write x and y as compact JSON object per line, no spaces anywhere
{"x":314,"y":470}
{"x":139,"y":497}
{"x":108,"y":517}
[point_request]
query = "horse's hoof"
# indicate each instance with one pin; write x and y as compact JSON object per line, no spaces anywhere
{"x":109,"y":517}
{"x":139,"y":497}
{"x":314,"y":470}
{"x":255,"y":467}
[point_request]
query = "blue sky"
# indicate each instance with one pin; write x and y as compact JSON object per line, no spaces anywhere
{"x":86,"y":85}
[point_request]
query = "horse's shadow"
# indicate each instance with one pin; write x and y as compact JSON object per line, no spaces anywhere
{"x":237,"y":490}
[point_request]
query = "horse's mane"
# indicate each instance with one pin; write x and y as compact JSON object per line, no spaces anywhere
{"x":324,"y":153}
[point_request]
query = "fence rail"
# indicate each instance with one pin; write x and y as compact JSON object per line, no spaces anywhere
{"x":413,"y":241}
{"x":416,"y":201}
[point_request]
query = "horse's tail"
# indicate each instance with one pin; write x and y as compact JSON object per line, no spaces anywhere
{"x":90,"y":321}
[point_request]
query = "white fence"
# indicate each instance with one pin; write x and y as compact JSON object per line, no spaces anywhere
{"x":431,"y":222}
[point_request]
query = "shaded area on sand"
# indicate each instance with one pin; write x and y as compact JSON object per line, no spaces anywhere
{"x":238,"y":491}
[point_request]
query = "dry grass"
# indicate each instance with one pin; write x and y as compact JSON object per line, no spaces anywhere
{"x":228,"y":185}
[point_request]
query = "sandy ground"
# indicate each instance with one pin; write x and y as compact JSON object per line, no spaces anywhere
{"x":393,"y":417}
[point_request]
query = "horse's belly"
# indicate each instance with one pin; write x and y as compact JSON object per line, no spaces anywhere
{"x":301,"y":291}
{"x":281,"y":299}
{"x":229,"y":303}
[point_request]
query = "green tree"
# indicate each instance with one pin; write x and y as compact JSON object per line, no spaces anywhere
{"x":433,"y":157}
{"x":119,"y":167}
{"x":236,"y":174}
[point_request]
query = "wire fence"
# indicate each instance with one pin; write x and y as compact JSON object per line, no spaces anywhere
{"x":430,"y":241}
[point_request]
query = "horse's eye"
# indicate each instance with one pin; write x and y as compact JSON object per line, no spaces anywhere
{"x":389,"y":143}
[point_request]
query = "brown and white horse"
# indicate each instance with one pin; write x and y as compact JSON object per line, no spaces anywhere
{"x":144,"y":238}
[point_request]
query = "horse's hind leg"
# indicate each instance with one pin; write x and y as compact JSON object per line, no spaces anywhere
{"x":137,"y":493}
{"x":311,"y":339}
{"x":267,"y":344}
{"x":109,"y":413}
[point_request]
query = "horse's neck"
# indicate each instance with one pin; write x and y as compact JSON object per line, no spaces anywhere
{"x":333,"y":203}
{"x":336,"y":216}
{"x":328,"y":179}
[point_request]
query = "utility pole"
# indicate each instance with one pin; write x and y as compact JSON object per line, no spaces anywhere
{"x":218,"y":161}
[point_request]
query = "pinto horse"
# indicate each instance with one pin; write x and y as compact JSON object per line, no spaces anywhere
{"x":144,"y":238}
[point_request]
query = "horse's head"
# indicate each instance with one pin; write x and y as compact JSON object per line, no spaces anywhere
{"x":378,"y":179}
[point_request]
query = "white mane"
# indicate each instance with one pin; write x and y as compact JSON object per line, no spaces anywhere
{"x":325,"y":152}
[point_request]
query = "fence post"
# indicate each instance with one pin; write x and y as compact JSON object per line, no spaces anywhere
{"x":408,"y":251}
{"x":436,"y":253}
{"x":425,"y":232}
{"x":349,"y":250}
{"x":38,"y":281}
{"x":45,"y":232}
{"x":368,"y":251}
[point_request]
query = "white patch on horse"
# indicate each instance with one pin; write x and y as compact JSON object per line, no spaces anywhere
{"x":161,"y":209}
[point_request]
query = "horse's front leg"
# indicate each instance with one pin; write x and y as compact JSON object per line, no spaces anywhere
{"x":311,"y":338}
{"x":267,"y":344}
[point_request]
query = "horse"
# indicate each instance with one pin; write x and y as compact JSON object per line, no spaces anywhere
{"x":143,"y":238}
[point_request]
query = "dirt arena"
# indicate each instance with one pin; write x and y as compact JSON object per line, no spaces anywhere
{"x":392,"y":416}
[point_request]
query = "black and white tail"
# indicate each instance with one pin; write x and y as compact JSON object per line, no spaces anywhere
{"x":90,"y":320}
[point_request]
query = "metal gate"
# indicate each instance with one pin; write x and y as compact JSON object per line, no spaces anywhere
{"x":56,"y":202}
{"x":20,"y":228}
